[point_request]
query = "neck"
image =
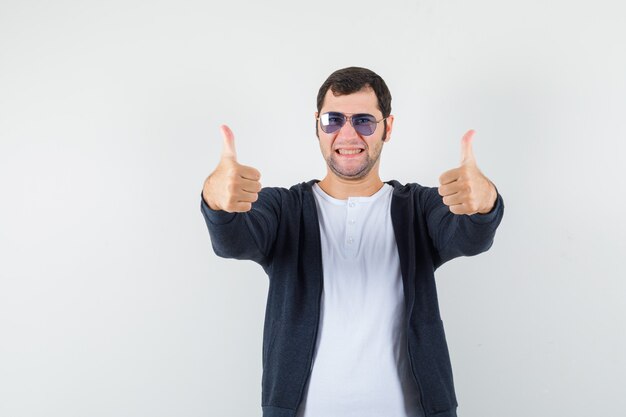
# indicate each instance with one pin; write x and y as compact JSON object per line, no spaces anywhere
{"x":341,"y":188}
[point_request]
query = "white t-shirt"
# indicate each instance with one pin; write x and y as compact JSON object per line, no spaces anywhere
{"x":360,"y":367}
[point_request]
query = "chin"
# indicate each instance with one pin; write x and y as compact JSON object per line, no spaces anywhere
{"x":353,"y":174}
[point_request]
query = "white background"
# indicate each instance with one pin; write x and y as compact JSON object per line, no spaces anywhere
{"x":112,"y":302}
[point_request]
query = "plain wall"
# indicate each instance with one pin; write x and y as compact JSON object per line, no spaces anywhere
{"x":112,"y":302}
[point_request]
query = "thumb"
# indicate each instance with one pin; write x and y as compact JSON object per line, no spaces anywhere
{"x":467,"y":153}
{"x":228,"y":151}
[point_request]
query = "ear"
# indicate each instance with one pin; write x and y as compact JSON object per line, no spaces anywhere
{"x":387,"y":137}
{"x":316,"y":132}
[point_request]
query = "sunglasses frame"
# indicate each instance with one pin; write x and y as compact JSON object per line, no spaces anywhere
{"x":349,"y":117}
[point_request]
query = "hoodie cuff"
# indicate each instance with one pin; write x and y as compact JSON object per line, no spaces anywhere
{"x":215,"y":216}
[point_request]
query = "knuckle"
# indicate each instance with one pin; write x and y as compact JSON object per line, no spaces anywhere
{"x":230,"y":202}
{"x":231,"y":187}
{"x":233,"y":170}
{"x":229,"y":175}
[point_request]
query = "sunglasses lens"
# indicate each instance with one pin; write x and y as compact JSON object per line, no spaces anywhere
{"x":365,"y":124}
{"x":332,"y":122}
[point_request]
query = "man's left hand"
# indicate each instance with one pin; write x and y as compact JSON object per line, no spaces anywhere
{"x":465,"y":190}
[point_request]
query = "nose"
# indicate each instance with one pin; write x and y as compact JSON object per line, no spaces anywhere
{"x":347,"y":131}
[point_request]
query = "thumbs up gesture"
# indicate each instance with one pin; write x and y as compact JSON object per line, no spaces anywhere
{"x":232,"y":187}
{"x":465,"y":190}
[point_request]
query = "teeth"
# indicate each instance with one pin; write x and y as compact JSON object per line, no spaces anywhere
{"x":349,"y":151}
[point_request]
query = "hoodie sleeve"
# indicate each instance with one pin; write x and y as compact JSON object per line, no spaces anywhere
{"x":456,"y":235}
{"x":248,"y":235}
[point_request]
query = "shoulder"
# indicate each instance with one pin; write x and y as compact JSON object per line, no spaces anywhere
{"x":292,"y":195}
{"x":416,"y":196}
{"x":411,"y":189}
{"x":304,"y":187}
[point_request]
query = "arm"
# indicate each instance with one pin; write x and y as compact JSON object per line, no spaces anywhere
{"x":464,"y":212}
{"x":249,"y":235}
{"x":242,"y":219}
{"x":456,"y":235}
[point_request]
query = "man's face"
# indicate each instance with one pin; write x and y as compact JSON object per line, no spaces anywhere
{"x":348,"y":154}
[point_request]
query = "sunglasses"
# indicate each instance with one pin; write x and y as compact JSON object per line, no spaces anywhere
{"x":365,"y":124}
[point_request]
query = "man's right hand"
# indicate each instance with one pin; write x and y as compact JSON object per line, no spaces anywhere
{"x":232,"y":187}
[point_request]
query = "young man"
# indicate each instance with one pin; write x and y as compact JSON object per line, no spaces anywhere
{"x":352,"y":325}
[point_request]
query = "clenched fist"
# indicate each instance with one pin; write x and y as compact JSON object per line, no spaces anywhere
{"x":232,"y":187}
{"x":465,"y":190}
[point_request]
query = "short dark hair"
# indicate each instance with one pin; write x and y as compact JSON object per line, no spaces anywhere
{"x":352,"y":79}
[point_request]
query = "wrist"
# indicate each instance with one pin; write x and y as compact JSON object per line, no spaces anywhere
{"x":206,"y":197}
{"x":491,"y":201}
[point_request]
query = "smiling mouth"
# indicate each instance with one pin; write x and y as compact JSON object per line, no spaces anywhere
{"x":348,"y":151}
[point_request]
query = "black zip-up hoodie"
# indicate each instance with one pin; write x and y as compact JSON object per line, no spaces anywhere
{"x":281,"y":233}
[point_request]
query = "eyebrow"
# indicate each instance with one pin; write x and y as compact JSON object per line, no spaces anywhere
{"x":348,"y":114}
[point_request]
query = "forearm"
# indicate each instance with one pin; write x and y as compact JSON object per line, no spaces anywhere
{"x":472,"y":234}
{"x":230,"y":234}
{"x":248,"y":235}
